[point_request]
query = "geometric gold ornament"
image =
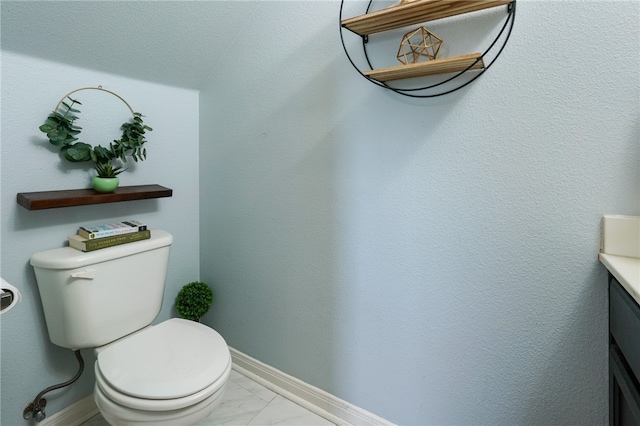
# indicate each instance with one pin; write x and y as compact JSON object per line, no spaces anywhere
{"x":419,"y":44}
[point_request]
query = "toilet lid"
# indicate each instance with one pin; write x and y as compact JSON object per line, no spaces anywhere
{"x":170,"y":360}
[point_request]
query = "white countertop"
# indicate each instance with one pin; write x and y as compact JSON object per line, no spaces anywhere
{"x":620,"y":251}
{"x":626,"y":270}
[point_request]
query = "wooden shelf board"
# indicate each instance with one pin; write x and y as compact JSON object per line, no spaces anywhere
{"x":436,"y":66}
{"x":415,"y":12}
{"x":82,"y":197}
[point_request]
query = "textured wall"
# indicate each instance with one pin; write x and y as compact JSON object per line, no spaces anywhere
{"x":30,"y":90}
{"x":169,"y":42}
{"x":433,"y":261}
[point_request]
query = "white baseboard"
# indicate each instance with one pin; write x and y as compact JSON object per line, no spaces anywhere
{"x":73,"y":415}
{"x":313,"y":399}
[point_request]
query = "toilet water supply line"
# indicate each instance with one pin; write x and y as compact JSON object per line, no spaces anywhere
{"x":35,"y":409}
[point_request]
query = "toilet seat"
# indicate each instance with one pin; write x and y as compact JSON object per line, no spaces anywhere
{"x":168,"y":366}
{"x":154,"y":405}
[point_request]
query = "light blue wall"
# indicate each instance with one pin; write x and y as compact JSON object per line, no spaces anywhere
{"x":432,"y":261}
{"x":30,"y":90}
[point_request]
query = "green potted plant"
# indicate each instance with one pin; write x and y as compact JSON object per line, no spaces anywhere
{"x":107,"y":179}
{"x":62,"y":132}
{"x":194,"y":300}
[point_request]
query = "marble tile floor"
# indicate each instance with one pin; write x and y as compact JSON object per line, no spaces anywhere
{"x":248,"y":403}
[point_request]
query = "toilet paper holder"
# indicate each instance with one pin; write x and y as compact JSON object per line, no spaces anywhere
{"x":6,"y":298}
{"x":9,"y":296}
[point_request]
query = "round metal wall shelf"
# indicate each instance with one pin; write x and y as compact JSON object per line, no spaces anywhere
{"x":423,"y":11}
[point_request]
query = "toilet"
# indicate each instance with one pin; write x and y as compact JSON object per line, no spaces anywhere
{"x":172,"y":373}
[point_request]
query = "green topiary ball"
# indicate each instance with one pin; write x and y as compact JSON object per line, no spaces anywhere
{"x":194,"y":300}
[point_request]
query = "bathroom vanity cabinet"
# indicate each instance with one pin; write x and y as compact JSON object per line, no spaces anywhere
{"x":624,"y":356}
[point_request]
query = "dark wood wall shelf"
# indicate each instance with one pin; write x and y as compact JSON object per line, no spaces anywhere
{"x":83,"y":197}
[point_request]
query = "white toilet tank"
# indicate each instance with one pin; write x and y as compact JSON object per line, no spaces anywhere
{"x":93,"y":298}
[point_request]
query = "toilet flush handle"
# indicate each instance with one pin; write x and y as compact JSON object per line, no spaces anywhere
{"x":88,"y":274}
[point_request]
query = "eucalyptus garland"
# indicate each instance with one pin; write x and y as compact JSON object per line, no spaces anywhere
{"x":63,"y":133}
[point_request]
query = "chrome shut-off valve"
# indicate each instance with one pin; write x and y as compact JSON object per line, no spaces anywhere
{"x":35,"y":410}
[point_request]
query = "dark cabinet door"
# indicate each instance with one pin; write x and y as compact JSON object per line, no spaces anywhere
{"x":624,"y":357}
{"x":624,"y":392}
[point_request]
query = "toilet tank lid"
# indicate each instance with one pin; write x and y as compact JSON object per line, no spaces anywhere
{"x":70,"y":258}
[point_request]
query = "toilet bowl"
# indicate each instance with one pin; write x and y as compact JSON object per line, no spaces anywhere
{"x":118,"y":415}
{"x":174,"y":373}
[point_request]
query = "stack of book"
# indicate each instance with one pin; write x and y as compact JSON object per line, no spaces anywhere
{"x":91,"y":238}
